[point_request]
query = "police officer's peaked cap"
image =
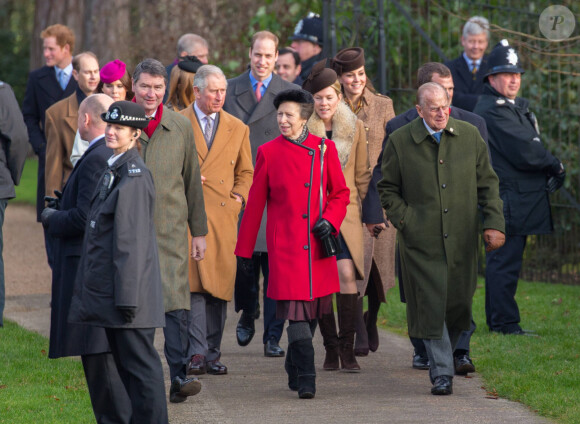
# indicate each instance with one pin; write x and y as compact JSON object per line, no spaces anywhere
{"x":126,"y":113}
{"x":309,"y":29}
{"x":504,"y":58}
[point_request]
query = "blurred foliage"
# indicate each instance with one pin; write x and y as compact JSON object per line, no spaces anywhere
{"x":16,"y":19}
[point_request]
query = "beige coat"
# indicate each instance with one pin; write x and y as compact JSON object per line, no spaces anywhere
{"x":348,"y":134}
{"x":379,"y":253}
{"x":171,"y":156}
{"x":227,"y":168}
{"x":60,"y":129}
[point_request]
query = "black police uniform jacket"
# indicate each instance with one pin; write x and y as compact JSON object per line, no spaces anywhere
{"x":520,"y":161}
{"x":120,"y":265}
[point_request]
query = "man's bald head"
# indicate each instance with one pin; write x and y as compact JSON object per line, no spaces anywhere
{"x":90,"y":123}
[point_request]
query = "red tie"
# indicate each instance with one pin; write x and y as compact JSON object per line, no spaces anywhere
{"x":259,"y":90}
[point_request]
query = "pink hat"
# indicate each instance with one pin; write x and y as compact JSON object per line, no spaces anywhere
{"x":112,"y":71}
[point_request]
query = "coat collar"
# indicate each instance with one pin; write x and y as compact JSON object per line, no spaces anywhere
{"x":246,"y":98}
{"x":343,"y":130}
{"x":221,"y":138}
{"x":419,"y":133}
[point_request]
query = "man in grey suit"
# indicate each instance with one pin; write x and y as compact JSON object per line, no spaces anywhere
{"x":250,"y":98}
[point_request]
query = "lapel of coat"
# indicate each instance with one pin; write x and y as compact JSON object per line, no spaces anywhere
{"x":48,"y":83}
{"x":200,"y":144}
{"x":221,"y":138}
{"x":72,"y":112}
{"x":244,"y":95}
{"x":266,"y":104}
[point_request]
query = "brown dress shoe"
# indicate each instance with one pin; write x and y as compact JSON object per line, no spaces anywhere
{"x":196,"y":365}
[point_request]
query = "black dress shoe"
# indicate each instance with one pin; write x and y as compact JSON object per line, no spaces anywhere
{"x":216,"y":368}
{"x":245,"y":330}
{"x":420,"y":362}
{"x":196,"y":365}
{"x":443,"y":385}
{"x":272,"y":349}
{"x":463,"y":365}
{"x":181,"y":388}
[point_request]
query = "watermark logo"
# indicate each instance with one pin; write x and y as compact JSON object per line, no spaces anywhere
{"x":557,"y":23}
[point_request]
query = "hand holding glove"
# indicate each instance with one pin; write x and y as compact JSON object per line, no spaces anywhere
{"x":556,"y":179}
{"x":128,"y":313}
{"x":323,"y":229}
{"x":45,"y":216}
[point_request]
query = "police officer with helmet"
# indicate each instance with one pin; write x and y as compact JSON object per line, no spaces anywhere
{"x":527,"y":173}
{"x":307,"y":41}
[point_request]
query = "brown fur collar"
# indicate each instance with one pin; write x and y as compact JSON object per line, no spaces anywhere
{"x":343,"y":130}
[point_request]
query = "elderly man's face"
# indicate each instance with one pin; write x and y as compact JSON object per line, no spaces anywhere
{"x":149,"y":90}
{"x":434,"y":109}
{"x":211,"y":98}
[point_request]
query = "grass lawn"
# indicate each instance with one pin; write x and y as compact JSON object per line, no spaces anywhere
{"x":542,"y":372}
{"x":35,"y":389}
{"x":26,"y":190}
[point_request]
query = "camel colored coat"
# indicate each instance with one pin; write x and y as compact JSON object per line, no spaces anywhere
{"x":60,"y":130}
{"x":227,"y":167}
{"x":348,"y":134}
{"x":379,"y":253}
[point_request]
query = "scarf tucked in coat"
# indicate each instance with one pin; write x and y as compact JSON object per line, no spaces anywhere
{"x":343,"y":130}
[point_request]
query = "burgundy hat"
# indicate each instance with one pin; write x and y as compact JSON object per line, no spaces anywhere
{"x":320,"y":78}
{"x":113,"y":71}
{"x":348,"y":60}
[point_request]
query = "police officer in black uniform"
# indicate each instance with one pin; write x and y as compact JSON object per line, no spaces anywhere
{"x":307,"y":41}
{"x":527,"y":174}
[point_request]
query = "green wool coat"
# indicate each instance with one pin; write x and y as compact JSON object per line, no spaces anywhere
{"x":171,"y":156}
{"x":431,"y":194}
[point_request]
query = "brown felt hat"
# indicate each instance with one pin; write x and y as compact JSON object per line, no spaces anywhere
{"x":348,"y":60}
{"x":320,"y":78}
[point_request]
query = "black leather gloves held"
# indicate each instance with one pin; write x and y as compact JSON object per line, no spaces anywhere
{"x":127,"y":313}
{"x":45,"y":216}
{"x":246,"y":265}
{"x":323,"y":229}
{"x":556,"y":179}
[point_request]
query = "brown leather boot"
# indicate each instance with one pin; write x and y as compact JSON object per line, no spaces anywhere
{"x":347,"y":307}
{"x":327,"y":326}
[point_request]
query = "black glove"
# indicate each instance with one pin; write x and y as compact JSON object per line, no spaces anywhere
{"x":127,"y":312}
{"x":377,"y":230}
{"x":322,"y":229}
{"x":556,"y":179}
{"x":52,"y":202}
{"x":246,"y":265}
{"x":45,"y":216}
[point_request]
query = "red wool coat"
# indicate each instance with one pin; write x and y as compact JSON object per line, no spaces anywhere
{"x":287,"y":178}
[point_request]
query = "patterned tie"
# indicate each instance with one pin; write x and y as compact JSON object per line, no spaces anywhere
{"x":207,"y":131}
{"x":259,"y":90}
{"x":474,"y":68}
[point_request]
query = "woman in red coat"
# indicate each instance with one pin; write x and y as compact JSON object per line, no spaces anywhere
{"x":287,"y":179}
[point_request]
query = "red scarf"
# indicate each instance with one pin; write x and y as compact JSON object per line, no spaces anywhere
{"x":153,"y":122}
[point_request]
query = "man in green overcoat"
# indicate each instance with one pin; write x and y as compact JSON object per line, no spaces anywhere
{"x":436,"y":172}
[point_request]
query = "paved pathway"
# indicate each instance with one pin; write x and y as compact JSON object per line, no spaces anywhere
{"x":387,"y":390}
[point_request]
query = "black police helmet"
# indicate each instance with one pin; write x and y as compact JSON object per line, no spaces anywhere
{"x":504,"y":58}
{"x":126,"y":113}
{"x":309,"y":29}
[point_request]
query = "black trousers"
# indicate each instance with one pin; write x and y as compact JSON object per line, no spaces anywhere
{"x":502,"y":272}
{"x":247,"y":292}
{"x":110,"y":400}
{"x":141,"y":372}
{"x":175,"y":348}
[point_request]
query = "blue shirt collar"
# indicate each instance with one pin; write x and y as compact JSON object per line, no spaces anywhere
{"x":470,"y":62}
{"x":254,"y":81}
